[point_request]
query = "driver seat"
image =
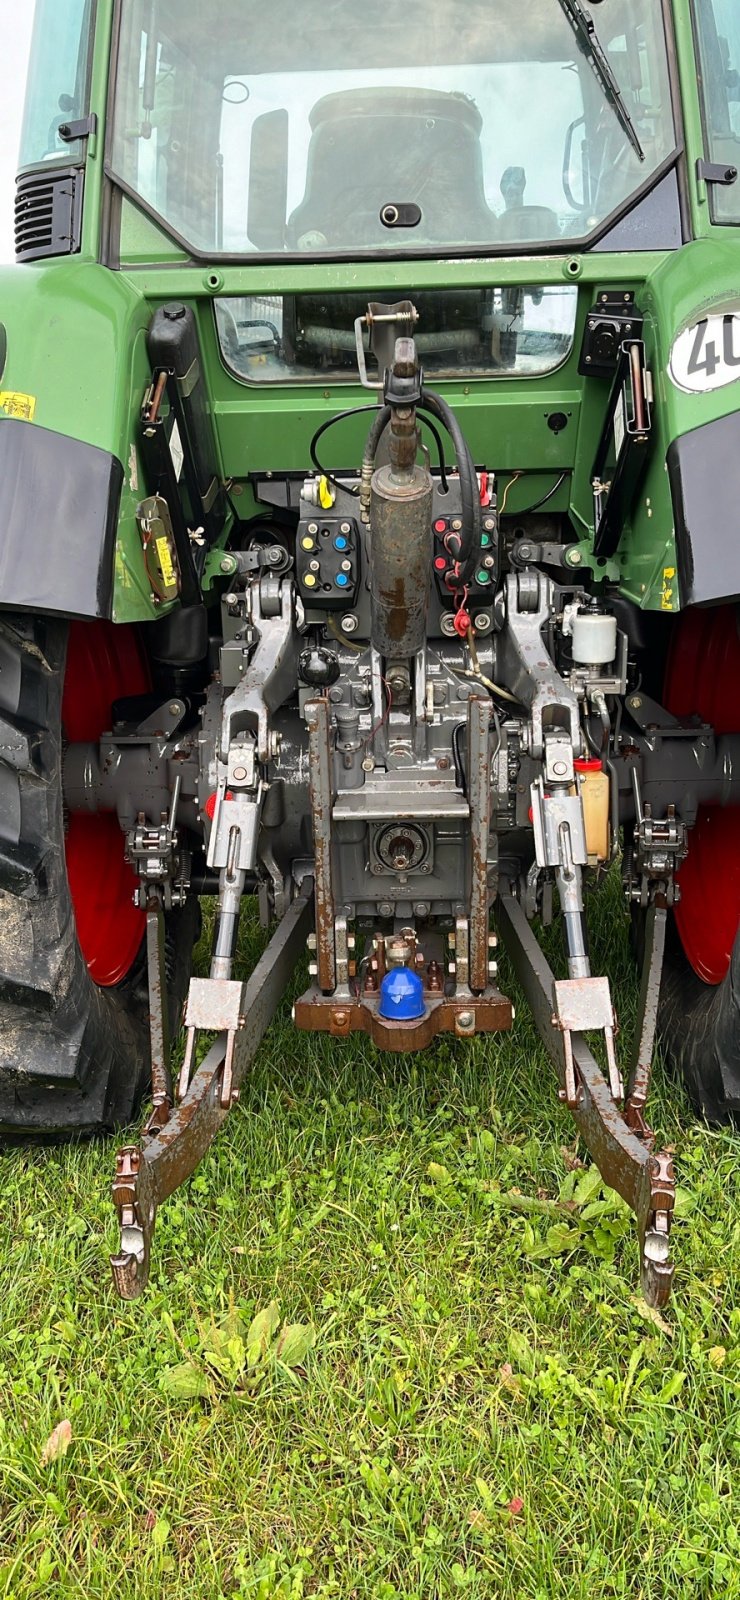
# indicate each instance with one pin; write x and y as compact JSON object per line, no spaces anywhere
{"x":375,"y":147}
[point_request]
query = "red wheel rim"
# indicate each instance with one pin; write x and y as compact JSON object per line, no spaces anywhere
{"x":702,"y":679}
{"x":104,"y":664}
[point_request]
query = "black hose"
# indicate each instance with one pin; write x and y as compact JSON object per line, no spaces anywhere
{"x":355,"y":411}
{"x":437,"y":437}
{"x":469,"y":492}
{"x":358,"y":411}
{"x":375,"y":435}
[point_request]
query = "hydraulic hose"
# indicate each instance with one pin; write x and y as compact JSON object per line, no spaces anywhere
{"x":469,"y":494}
{"x":368,"y":460}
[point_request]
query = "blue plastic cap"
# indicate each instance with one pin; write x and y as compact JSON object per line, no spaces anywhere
{"x":402,"y":996}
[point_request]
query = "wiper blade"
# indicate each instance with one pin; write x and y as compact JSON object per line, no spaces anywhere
{"x":588,"y":41}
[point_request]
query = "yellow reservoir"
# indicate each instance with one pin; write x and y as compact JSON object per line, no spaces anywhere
{"x":593,"y":787}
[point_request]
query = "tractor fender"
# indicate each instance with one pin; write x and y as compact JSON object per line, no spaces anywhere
{"x":59,"y":501}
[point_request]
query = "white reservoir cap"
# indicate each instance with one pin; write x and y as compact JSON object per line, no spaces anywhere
{"x":594,"y":639}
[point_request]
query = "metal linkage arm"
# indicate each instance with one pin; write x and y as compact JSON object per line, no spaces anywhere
{"x":644,"y":1180}
{"x":147,"y":1173}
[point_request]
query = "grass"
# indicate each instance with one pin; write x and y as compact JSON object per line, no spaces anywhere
{"x":488,"y":1408}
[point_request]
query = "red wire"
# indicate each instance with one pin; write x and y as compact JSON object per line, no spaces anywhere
{"x":384,"y":718}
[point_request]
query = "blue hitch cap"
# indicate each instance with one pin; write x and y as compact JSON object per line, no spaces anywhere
{"x":402,"y":996}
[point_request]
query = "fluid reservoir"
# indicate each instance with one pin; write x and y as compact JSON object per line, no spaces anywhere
{"x":593,"y":787}
{"x":594,"y":639}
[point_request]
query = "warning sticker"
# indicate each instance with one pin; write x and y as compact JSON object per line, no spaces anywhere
{"x":169,"y":575}
{"x":669,"y":599}
{"x":18,"y":405}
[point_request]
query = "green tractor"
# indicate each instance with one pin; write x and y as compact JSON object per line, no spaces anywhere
{"x":370,"y":508}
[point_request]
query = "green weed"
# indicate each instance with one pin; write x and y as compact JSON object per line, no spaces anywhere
{"x":392,"y":1349}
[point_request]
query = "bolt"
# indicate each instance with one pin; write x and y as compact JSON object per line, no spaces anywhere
{"x":421,"y":909}
{"x":488,"y":562}
{"x":456,"y":525}
{"x":231,"y":599}
{"x":311,"y":941}
{"x":482,"y":622}
{"x":493,"y":969}
{"x":466,"y":1019}
{"x":351,"y":941}
{"x":385,"y":909}
{"x":574,"y":558}
{"x":560,"y":768}
{"x":240,"y":774}
{"x":274,"y":555}
{"x":336,"y":695}
{"x":236,"y":1095}
{"x":368,"y":764}
{"x":489,"y":524}
{"x":635,"y":702}
{"x":349,"y":624}
{"x":340,"y":1019}
{"x":175,"y":708}
{"x":451,"y":968}
{"x":228,"y":565}
{"x":313,"y":970}
{"x":345,"y":527}
{"x":492,"y":941}
{"x":444,"y":764}
{"x":313,"y":527}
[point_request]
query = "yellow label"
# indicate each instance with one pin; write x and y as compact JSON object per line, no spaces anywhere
{"x":18,"y":405}
{"x":169,"y":575}
{"x":668,"y":601}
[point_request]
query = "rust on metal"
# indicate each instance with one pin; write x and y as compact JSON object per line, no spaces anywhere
{"x":321,"y":791}
{"x":638,"y":1086}
{"x":491,"y":1012}
{"x":479,"y":797}
{"x":147,"y":1174}
{"x":645,"y":1181}
{"x":159,"y":1028}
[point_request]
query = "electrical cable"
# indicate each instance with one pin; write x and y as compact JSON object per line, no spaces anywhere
{"x":384,"y":718}
{"x":527,"y":510}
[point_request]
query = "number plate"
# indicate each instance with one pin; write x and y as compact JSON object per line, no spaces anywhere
{"x":706,"y":356}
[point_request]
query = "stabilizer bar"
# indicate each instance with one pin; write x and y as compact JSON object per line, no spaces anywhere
{"x":644,"y":1180}
{"x":147,"y":1173}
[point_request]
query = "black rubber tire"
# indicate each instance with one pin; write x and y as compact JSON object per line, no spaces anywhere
{"x":699,"y":1026}
{"x":74,"y":1058}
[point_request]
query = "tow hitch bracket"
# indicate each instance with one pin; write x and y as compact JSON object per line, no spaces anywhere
{"x":166,"y":1156}
{"x":625,"y":1160}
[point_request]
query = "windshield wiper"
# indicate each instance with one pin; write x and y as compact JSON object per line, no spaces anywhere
{"x":588,"y":40}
